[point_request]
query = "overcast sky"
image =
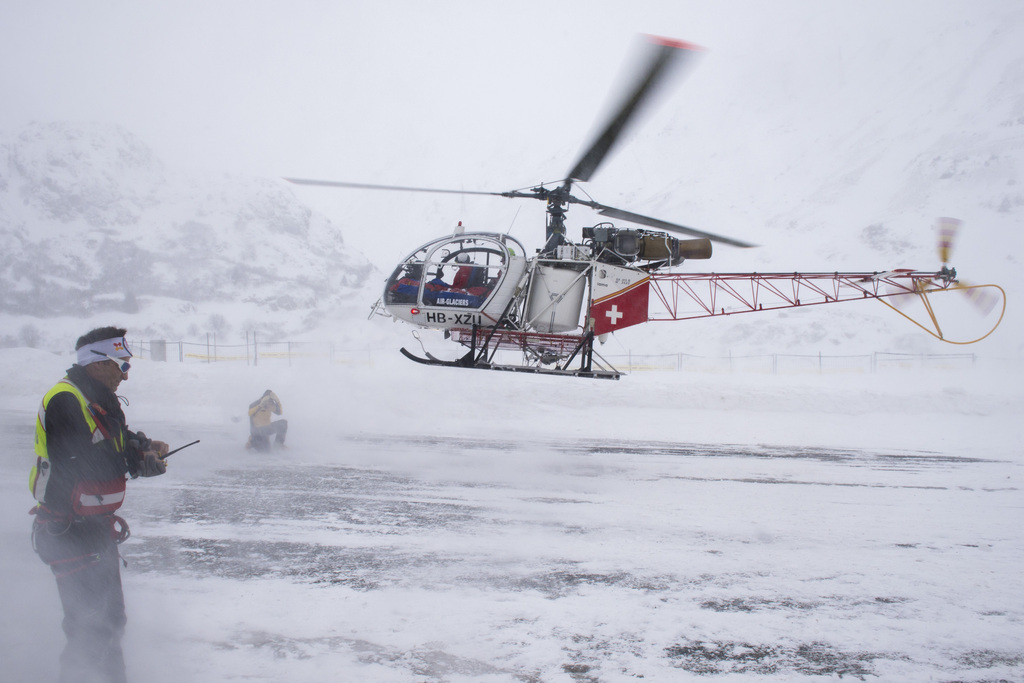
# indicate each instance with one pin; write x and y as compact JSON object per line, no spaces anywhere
{"x":323,"y":88}
{"x":281,"y":88}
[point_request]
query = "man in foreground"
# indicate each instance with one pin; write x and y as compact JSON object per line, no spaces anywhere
{"x":84,"y":453}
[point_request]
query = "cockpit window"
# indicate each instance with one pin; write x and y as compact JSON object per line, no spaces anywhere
{"x":404,"y":284}
{"x":463,"y":274}
{"x":464,"y":286}
{"x":460,"y":273}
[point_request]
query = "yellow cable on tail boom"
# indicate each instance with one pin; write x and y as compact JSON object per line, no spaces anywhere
{"x":937,"y":332}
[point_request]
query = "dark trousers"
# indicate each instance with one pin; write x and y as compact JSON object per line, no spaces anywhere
{"x":260,"y":436}
{"x":84,"y":559}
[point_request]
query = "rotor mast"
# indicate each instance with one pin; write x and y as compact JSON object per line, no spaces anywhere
{"x":556,"y":208}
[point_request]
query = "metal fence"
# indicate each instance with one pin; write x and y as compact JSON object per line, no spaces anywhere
{"x":252,"y":352}
{"x":777,"y":363}
{"x":255,"y":353}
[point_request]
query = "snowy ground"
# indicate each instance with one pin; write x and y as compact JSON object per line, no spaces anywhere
{"x":446,"y":525}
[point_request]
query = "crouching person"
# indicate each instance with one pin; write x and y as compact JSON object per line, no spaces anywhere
{"x":84,"y":453}
{"x":262,"y":426}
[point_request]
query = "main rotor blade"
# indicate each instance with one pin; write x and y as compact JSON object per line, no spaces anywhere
{"x":664,"y":225}
{"x":663,"y":54}
{"x":366,"y":186}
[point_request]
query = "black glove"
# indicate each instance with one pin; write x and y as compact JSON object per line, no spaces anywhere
{"x":151,"y":465}
{"x":137,"y":444}
{"x":139,"y":441}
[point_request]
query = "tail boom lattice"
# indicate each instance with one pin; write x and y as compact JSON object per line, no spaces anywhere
{"x":686,"y":296}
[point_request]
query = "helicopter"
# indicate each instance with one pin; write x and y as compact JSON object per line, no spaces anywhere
{"x":544,"y":312}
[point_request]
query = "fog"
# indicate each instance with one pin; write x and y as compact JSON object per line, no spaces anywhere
{"x":450,"y":525}
{"x":447,"y":525}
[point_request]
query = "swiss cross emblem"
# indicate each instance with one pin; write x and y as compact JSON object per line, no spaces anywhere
{"x":614,"y":314}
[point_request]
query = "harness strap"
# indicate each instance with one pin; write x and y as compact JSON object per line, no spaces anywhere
{"x":84,"y":561}
{"x":44,"y":514}
{"x":100,"y":417}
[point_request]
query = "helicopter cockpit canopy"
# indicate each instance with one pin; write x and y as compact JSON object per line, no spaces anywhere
{"x":456,"y":281}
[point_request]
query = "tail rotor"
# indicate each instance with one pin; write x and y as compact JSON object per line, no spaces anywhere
{"x":981,"y":297}
{"x":982,"y":300}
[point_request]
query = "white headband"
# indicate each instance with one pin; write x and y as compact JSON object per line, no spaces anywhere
{"x":97,"y":351}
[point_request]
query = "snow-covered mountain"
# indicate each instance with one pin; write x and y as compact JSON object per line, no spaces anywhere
{"x":96,"y":228}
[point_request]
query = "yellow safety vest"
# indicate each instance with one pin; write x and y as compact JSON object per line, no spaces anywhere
{"x":93,"y":497}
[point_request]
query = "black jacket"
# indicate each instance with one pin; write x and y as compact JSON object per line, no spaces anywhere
{"x":73,"y":456}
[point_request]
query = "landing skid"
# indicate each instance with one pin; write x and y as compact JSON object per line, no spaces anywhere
{"x":464,"y":362}
{"x":467,"y":361}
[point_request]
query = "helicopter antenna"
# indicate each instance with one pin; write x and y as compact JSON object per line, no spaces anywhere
{"x":510,"y":225}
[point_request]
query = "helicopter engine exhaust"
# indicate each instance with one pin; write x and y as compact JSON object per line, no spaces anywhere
{"x":697,"y":249}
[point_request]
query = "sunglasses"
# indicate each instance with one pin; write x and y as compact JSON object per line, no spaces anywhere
{"x":124,"y":365}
